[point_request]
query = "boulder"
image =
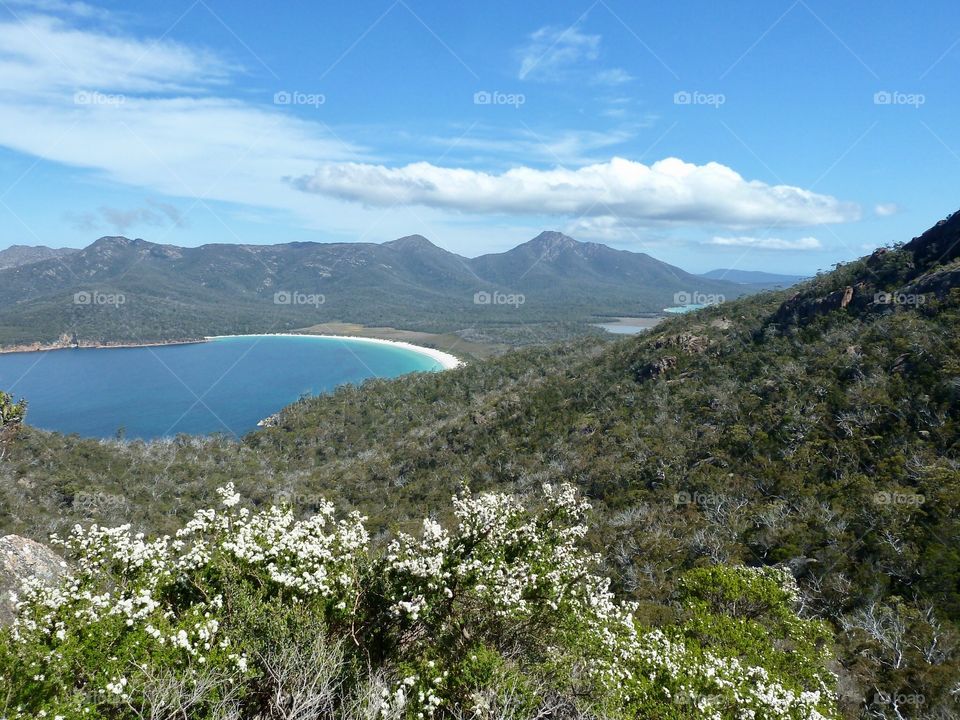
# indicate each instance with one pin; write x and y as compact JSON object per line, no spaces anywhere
{"x":21,"y":558}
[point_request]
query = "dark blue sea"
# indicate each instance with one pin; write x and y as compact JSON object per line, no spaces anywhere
{"x":224,"y":385}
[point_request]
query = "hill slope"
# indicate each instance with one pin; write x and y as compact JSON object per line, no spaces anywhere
{"x":753,"y":277}
{"x":815,"y":429}
{"x":17,"y":255}
{"x":168,"y":292}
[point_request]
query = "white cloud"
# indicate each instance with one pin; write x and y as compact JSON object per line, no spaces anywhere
{"x":150,"y":116}
{"x":668,"y":191}
{"x":613,"y":76}
{"x":767,"y":243}
{"x":886,"y":209}
{"x":60,"y":7}
{"x":573,"y":147}
{"x":41,"y":54}
{"x":552,"y":51}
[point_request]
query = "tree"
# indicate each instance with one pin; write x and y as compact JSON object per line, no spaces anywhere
{"x":11,"y":416}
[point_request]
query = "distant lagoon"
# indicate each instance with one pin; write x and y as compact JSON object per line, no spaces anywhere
{"x":680,"y":309}
{"x":224,"y":385}
{"x":628,"y":325}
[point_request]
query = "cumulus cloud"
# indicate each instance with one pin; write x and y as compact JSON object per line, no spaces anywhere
{"x":767,"y":243}
{"x":668,"y":191}
{"x":886,"y":209}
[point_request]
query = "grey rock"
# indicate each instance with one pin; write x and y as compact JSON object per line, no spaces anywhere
{"x":21,"y":558}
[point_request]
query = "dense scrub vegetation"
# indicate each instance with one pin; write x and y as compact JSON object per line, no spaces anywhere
{"x":258,"y":615}
{"x":818,"y":432}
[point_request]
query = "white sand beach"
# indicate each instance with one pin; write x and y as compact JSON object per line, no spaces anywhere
{"x":446,"y":360}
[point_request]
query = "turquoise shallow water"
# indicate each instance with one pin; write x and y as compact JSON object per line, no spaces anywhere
{"x":225,"y":385}
{"x":680,"y":309}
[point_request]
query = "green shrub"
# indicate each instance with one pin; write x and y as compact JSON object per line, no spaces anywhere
{"x":246,"y":614}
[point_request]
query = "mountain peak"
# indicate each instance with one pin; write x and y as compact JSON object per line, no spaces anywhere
{"x":411,"y":242}
{"x":554,"y":239}
{"x":109,"y":241}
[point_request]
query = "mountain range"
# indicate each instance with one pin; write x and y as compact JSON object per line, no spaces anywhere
{"x":123,"y":290}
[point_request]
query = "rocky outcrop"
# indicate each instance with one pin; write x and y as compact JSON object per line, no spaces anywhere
{"x":688,"y":342}
{"x":801,"y":307}
{"x":905,"y":277}
{"x":21,"y":558}
{"x":937,"y":284}
{"x":656,"y":368}
{"x":937,"y":246}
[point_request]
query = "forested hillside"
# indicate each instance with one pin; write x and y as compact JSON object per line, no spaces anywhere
{"x":815,"y":430}
{"x":119,"y":290}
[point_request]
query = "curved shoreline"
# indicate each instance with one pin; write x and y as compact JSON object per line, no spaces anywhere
{"x":444,"y":359}
{"x":87,"y":345}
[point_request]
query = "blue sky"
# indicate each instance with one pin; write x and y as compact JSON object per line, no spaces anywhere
{"x":775,"y":135}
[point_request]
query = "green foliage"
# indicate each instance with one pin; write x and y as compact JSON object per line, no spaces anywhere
{"x":11,"y":413}
{"x":749,"y":615}
{"x":259,"y":615}
{"x":11,"y":417}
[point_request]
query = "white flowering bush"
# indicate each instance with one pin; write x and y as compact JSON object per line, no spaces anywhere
{"x":260,"y":615}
